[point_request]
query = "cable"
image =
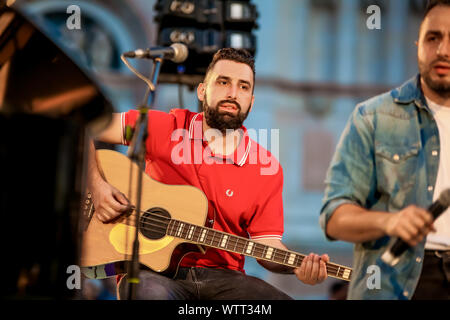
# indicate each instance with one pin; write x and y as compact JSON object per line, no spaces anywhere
{"x":149,"y":83}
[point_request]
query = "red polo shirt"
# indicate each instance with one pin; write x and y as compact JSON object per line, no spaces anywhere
{"x":245,"y":197}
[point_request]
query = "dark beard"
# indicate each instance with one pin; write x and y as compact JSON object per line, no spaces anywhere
{"x":441,"y":88}
{"x":223,"y":121}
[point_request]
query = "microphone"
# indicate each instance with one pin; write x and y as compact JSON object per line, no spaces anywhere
{"x":177,"y":52}
{"x":392,"y":255}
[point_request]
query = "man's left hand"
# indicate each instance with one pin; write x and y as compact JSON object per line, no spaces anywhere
{"x":313,"y":269}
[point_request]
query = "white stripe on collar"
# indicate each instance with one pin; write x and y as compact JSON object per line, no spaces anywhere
{"x":247,"y":151}
{"x":191,"y":126}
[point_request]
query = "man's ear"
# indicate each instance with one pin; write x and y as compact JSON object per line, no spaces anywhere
{"x":201,"y":91}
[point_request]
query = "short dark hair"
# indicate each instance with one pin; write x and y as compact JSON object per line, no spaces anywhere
{"x":236,"y":55}
{"x":433,"y":3}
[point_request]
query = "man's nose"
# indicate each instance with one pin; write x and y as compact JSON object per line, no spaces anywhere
{"x":232,"y":92}
{"x":444,"y":48}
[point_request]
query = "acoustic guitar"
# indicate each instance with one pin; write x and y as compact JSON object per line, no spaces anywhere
{"x":171,"y":225}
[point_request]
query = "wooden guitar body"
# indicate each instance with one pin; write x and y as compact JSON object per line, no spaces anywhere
{"x":112,"y":242}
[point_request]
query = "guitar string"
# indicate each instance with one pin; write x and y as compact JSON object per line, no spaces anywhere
{"x":257,"y":251}
{"x":299,"y":257}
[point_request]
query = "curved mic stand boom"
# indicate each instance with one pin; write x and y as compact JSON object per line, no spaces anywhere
{"x":137,"y":152}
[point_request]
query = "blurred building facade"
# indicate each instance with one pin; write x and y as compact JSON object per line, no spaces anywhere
{"x":315,"y":60}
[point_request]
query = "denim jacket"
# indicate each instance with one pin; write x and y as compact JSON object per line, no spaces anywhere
{"x":387,"y":158}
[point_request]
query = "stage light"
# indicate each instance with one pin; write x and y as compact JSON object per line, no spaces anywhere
{"x":238,"y":11}
{"x":204,"y":26}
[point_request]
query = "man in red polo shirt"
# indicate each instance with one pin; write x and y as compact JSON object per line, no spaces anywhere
{"x":243,"y":182}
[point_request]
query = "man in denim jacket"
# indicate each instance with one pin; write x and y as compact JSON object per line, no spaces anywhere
{"x":392,"y":161}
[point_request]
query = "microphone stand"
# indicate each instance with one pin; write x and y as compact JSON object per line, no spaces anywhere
{"x":137,"y":153}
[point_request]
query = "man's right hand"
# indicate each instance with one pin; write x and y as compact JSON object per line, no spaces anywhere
{"x":109,"y":202}
{"x":411,"y":224}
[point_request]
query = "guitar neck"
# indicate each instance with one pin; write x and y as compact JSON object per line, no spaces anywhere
{"x":228,"y":242}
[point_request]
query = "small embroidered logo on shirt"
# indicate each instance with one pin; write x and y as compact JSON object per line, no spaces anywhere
{"x":229,"y":192}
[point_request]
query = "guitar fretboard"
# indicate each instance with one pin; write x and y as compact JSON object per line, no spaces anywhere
{"x":228,"y":242}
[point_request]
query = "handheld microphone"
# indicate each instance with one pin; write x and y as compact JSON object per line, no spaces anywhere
{"x":177,"y":53}
{"x":392,"y":255}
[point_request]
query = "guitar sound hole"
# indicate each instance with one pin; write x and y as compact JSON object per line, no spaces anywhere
{"x":154,"y":222}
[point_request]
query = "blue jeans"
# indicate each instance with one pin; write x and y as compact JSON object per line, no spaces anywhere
{"x":202,"y":284}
